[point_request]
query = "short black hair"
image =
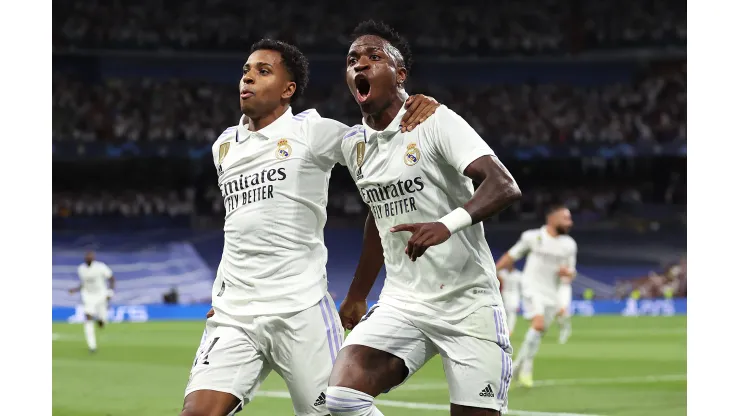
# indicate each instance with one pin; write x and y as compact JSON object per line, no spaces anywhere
{"x":295,"y":62}
{"x":557,"y":206}
{"x":382,"y":30}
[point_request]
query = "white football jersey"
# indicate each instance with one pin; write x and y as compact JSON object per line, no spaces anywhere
{"x":512,"y":280}
{"x":418,"y":177}
{"x":545,"y":255}
{"x":94,"y":279}
{"x":275,"y":183}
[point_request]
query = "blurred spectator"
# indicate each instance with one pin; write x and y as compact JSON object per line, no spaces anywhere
{"x":462,"y":27}
{"x":652,"y":109}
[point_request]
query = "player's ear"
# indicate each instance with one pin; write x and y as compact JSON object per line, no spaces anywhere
{"x":401,"y":75}
{"x":289,"y":90}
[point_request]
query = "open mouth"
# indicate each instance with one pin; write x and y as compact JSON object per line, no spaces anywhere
{"x":363,"y":88}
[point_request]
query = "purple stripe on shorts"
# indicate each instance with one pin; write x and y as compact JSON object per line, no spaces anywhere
{"x":335,"y":326}
{"x":342,"y":399}
{"x":508,"y":378}
{"x":347,"y":409}
{"x":496,"y":314}
{"x":501,"y":390}
{"x":329,"y":337}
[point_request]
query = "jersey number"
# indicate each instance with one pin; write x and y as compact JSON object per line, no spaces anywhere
{"x":208,"y":351}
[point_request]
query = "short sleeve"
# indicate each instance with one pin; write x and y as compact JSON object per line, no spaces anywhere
{"x":107,"y":272}
{"x":324,"y":138}
{"x":455,"y":141}
{"x":572,"y":257}
{"x":521,"y":248}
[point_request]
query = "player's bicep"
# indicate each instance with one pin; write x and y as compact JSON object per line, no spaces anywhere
{"x":456,"y":141}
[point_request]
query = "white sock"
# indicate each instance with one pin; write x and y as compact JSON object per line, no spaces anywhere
{"x":90,"y":334}
{"x":349,"y":402}
{"x":529,"y":348}
{"x":511,"y":320}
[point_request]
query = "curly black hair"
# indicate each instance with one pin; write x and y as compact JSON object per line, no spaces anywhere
{"x":295,"y":62}
{"x":382,"y":30}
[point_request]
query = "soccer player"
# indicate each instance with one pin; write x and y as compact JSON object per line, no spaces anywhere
{"x":565,"y":296}
{"x":511,"y":293}
{"x":551,"y":260}
{"x":271,"y":307}
{"x":95,"y":293}
{"x":441,"y":295}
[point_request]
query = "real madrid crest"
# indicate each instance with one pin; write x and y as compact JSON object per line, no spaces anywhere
{"x":412,"y":155}
{"x":222,"y":151}
{"x":283,"y":149}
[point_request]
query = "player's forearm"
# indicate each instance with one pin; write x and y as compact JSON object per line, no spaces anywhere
{"x":505,"y":262}
{"x":112,"y":283}
{"x":497,"y":189}
{"x":371,"y":261}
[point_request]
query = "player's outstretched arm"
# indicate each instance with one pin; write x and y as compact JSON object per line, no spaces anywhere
{"x":497,"y":190}
{"x":354,"y":306}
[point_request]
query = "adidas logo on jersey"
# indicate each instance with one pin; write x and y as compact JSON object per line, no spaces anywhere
{"x":487,"y":392}
{"x":321,"y":400}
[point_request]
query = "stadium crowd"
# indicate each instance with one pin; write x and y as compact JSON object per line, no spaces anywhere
{"x":490,"y":28}
{"x":650,"y":109}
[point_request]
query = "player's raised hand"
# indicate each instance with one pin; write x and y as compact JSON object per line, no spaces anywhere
{"x":210,"y":313}
{"x":419,"y":108}
{"x":423,"y":236}
{"x":351,"y":312}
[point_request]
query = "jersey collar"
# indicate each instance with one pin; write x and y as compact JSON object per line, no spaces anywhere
{"x":393,"y":128}
{"x":276,"y":129}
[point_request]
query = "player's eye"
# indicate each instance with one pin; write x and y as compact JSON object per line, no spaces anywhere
{"x":374,"y":57}
{"x":351,"y":61}
{"x":244,"y":71}
{"x":264,"y":72}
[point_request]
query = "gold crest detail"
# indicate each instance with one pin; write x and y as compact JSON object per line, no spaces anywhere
{"x":283,"y":149}
{"x":222,"y":151}
{"x":412,"y":155}
{"x":360,"y":153}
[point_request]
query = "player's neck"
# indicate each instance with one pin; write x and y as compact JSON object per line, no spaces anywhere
{"x":259,"y":123}
{"x":381,"y":119}
{"x":552,"y":231}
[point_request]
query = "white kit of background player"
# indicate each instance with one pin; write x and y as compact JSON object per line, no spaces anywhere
{"x":95,"y":278}
{"x":448,"y":300}
{"x":272,"y":307}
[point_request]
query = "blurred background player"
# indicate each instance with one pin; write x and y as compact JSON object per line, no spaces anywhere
{"x":272,"y":310}
{"x":565,"y":296}
{"x":551,"y":259}
{"x":96,"y":287}
{"x":511,"y":292}
{"x":445,"y":301}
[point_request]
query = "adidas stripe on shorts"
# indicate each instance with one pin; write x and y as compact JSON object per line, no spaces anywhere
{"x":236,"y":356}
{"x":476,"y":352}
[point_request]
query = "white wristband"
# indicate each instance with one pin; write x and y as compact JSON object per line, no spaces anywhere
{"x":457,"y":220}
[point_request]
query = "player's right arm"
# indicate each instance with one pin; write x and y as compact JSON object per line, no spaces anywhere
{"x":79,"y":287}
{"x":519,"y":250}
{"x":354,"y":306}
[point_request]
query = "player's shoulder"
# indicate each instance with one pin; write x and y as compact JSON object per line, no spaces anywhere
{"x":225,"y":136}
{"x":531,"y":234}
{"x":443,"y":117}
{"x":311,"y":123}
{"x":570,"y":241}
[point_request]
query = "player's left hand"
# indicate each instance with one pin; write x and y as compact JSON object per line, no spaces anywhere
{"x":419,"y":108}
{"x":564,"y":273}
{"x":423,"y":236}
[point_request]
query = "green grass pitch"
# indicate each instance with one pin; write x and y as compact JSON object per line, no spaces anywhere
{"x":610,"y":366}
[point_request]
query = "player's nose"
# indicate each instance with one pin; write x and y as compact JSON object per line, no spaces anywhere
{"x":362,"y":64}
